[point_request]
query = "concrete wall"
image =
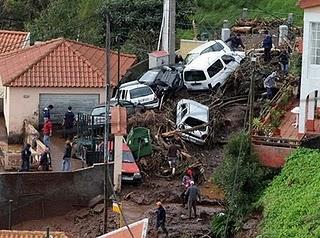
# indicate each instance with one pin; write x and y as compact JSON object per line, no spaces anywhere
{"x":271,"y":156}
{"x":48,"y":193}
{"x":23,"y":104}
{"x":187,"y":45}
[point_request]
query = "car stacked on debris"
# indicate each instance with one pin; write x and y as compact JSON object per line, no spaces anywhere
{"x":191,"y":114}
{"x":211,"y":70}
{"x":137,"y":93}
{"x":165,"y":80}
{"x":210,"y":46}
{"x":206,"y":67}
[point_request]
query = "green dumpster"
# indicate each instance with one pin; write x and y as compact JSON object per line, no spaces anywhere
{"x":139,"y":142}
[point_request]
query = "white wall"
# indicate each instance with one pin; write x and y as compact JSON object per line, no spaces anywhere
{"x":23,"y":103}
{"x":310,"y":75}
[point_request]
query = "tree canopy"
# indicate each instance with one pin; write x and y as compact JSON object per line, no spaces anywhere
{"x":138,"y":21}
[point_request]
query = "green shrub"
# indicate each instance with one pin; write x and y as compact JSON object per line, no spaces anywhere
{"x":291,"y":203}
{"x":218,"y":225}
{"x":242,"y":179}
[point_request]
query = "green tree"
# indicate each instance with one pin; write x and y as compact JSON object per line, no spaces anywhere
{"x":138,"y":21}
{"x":21,"y":11}
{"x":66,"y":18}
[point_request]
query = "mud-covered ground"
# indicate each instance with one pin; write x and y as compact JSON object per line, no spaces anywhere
{"x":139,"y":200}
{"x":141,"y":204}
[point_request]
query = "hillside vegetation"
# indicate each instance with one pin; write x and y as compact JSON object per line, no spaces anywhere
{"x":291,"y":203}
{"x":138,"y":21}
{"x":214,"y":12}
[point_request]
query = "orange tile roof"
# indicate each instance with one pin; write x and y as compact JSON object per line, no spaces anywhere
{"x":12,"y":40}
{"x":309,"y":3}
{"x":60,"y":63}
{"x":30,"y":234}
{"x":138,"y":229}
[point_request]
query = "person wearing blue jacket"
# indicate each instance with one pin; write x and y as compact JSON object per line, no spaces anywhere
{"x":267,"y":45}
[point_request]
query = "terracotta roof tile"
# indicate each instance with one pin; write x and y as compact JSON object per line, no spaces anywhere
{"x":60,"y":63}
{"x":30,"y":234}
{"x":309,"y":3}
{"x":12,"y":40}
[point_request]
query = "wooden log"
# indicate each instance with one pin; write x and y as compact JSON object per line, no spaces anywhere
{"x":242,"y":29}
{"x":186,"y":155}
{"x":178,"y":131}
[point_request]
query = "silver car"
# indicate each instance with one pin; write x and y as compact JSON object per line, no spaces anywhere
{"x":192,"y":114}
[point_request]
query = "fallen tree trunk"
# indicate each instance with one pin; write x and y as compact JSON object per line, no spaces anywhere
{"x":241,"y":29}
{"x":179,"y":131}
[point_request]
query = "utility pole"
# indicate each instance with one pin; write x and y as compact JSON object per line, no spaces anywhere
{"x":169,"y":29}
{"x":252,"y":96}
{"x":118,"y":39}
{"x":172,"y":31}
{"x":107,"y":118}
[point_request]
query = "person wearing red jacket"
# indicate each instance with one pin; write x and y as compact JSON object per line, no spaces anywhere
{"x":47,"y":131}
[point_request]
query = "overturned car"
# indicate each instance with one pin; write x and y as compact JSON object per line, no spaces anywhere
{"x":164,"y":81}
{"x":191,"y":114}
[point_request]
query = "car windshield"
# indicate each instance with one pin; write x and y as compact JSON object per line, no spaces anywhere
{"x":140,"y":92}
{"x":194,"y":75}
{"x":190,"y":121}
{"x":127,"y":157}
{"x":191,"y":57}
{"x":98,"y":111}
{"x":149,"y":77}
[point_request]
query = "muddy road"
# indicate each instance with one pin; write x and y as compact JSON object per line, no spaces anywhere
{"x":139,"y":204}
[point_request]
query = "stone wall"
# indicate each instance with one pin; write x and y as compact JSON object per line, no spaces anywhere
{"x":42,"y":194}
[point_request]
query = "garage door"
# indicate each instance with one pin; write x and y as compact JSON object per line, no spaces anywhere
{"x":60,"y":102}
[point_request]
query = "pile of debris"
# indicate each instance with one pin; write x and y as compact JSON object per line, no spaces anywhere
{"x":255,"y":26}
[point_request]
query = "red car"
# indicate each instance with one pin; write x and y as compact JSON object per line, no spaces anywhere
{"x":130,"y":170}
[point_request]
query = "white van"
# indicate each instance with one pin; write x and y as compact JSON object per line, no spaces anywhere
{"x":211,"y":70}
{"x":137,"y":93}
{"x":210,"y":46}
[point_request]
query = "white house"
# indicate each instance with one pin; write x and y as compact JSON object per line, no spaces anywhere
{"x":310,"y":76}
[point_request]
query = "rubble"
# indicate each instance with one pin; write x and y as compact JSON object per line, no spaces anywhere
{"x":98,"y":208}
{"x":96,"y":200}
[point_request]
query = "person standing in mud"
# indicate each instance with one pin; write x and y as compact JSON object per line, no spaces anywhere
{"x":161,"y":219}
{"x":25,"y":157}
{"x":193,"y":195}
{"x":66,"y":161}
{"x":45,"y":160}
{"x":186,"y":182}
{"x":46,"y":111}
{"x":172,"y":156}
{"x":47,"y":131}
{"x":68,"y":124}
